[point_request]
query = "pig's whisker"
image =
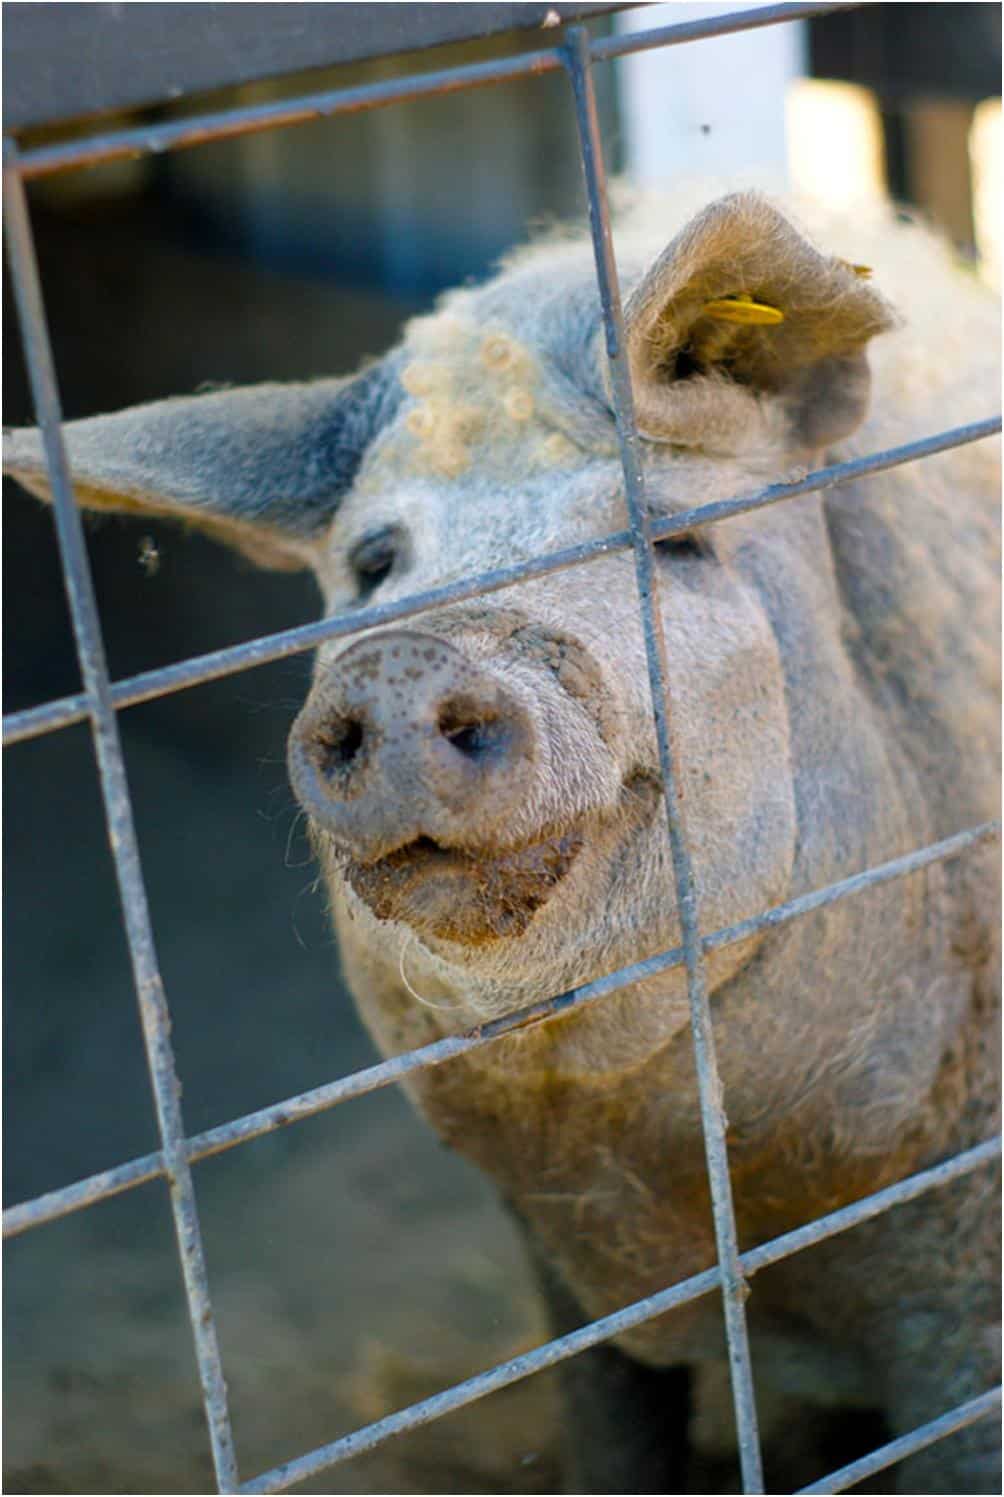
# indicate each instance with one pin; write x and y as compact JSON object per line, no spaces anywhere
{"x":448,"y":1008}
{"x":297,"y":819}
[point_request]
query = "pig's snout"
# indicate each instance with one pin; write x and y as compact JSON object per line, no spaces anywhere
{"x":404,"y":737}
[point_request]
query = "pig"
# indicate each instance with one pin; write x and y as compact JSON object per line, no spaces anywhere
{"x":483,"y":789}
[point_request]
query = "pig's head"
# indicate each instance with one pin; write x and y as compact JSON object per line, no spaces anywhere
{"x":482,"y":781}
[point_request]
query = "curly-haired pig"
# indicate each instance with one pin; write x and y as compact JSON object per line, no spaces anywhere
{"x":483,"y":789}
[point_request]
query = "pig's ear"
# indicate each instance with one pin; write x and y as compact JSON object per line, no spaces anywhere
{"x":261,"y":468}
{"x":743,"y":330}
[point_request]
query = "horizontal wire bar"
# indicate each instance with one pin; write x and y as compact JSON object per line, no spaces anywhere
{"x":31,"y":722}
{"x":677,"y":32}
{"x":90,"y":1191}
{"x":57,"y":1203}
{"x":218,"y":663}
{"x":279,"y":1478}
{"x":917,"y":1439}
{"x":227,"y":124}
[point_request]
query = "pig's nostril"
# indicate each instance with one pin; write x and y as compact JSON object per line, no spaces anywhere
{"x":338,"y":744}
{"x":469,"y":741}
{"x":470,"y":733}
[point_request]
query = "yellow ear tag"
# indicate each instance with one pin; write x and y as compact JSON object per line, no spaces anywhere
{"x":864,"y":271}
{"x":742,"y":308}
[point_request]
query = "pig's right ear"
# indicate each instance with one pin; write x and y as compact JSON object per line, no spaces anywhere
{"x":261,"y":468}
{"x":743,"y":332}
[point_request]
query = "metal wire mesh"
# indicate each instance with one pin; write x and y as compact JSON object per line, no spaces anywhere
{"x":101,"y":700}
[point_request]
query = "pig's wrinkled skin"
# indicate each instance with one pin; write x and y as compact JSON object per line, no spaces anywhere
{"x":483,"y":790}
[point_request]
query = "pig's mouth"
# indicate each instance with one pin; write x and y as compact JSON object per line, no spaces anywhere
{"x":464,"y":896}
{"x":476,"y":896}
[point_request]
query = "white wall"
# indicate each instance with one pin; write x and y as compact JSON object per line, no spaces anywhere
{"x":713,"y":108}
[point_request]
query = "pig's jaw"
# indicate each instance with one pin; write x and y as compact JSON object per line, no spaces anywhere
{"x":468,"y":898}
{"x":467,"y":902}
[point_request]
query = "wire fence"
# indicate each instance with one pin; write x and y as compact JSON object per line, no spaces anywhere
{"x":99,"y":702}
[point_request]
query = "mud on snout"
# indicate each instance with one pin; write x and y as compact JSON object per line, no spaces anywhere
{"x":453,"y":783}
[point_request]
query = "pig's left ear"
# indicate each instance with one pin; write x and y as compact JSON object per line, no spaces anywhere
{"x":742,"y":331}
{"x":262,"y":469}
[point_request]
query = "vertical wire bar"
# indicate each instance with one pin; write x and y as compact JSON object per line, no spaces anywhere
{"x":734,"y":1289}
{"x":154,"y":1015}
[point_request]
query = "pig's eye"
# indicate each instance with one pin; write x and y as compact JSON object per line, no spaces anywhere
{"x":372,"y":558}
{"x":684,"y":543}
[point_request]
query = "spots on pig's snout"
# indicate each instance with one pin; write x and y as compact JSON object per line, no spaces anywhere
{"x":475,"y":398}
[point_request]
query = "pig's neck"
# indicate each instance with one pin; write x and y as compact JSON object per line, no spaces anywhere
{"x":608,"y":1167}
{"x":604,"y":1101}
{"x":616,"y":1079}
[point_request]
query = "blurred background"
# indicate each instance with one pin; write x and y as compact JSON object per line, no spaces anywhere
{"x":355,"y":1265}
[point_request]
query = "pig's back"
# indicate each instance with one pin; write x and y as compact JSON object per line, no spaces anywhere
{"x":917,"y":549}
